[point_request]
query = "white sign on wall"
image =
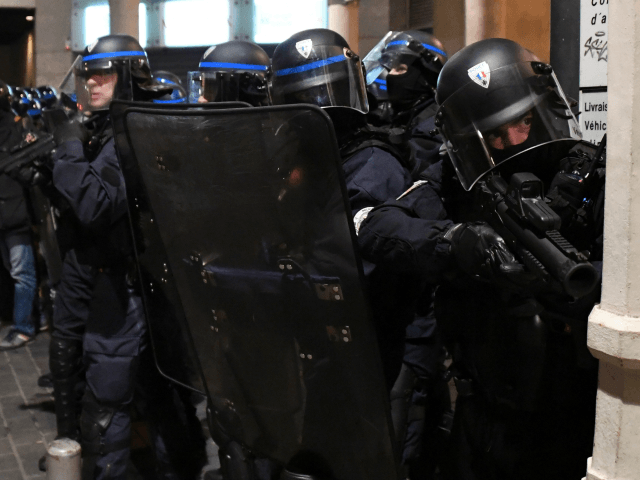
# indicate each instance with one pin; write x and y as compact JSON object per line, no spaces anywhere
{"x":593,"y":115}
{"x":594,"y":42}
{"x":594,"y":54}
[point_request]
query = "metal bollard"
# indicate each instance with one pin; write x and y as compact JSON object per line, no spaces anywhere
{"x":63,"y":460}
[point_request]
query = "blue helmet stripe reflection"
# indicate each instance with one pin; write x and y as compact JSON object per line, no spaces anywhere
{"x":173,"y":100}
{"x":434,"y":49}
{"x":382,"y":83}
{"x":311,"y":66}
{"x":236,"y":66}
{"x":98,"y":56}
{"x":425,"y":45}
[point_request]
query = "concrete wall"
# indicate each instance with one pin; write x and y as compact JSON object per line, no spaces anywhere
{"x":53,"y":29}
{"x":373,"y":21}
{"x":449,"y":24}
{"x":460,"y":22}
{"x":18,"y":3}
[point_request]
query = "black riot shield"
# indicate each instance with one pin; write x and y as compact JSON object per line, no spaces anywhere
{"x":254,"y":247}
{"x":45,"y":223}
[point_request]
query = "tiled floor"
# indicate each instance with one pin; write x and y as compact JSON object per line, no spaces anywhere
{"x":27,"y":420}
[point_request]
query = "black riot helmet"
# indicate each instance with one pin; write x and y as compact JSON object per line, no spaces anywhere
{"x":34,"y":109}
{"x":6,"y":97}
{"x":113,"y":67}
{"x":318,"y":67}
{"x":498,"y":101}
{"x":48,"y":96}
{"x":412,"y":60}
{"x":20,"y":101}
{"x":178,"y":93}
{"x":235,"y":71}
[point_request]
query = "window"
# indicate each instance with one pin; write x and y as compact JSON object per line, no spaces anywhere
{"x":189,"y":23}
{"x":95,"y":23}
{"x":277,"y":20}
{"x":142,"y":24}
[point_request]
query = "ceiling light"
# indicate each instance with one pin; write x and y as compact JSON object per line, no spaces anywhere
{"x":29,"y":18}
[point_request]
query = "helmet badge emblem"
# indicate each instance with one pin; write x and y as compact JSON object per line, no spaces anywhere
{"x":304,"y":47}
{"x":480,"y":74}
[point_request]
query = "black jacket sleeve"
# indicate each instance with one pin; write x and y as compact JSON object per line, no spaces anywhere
{"x":95,"y":190}
{"x":399,"y":224}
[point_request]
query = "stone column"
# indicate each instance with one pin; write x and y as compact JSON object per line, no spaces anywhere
{"x":343,"y":18}
{"x":53,"y":31}
{"x":124,"y":17}
{"x":474,"y":13}
{"x":373,"y":20}
{"x":614,"y":325}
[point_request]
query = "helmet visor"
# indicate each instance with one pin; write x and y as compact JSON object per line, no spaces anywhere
{"x":99,"y":81}
{"x":519,"y":111}
{"x":328,"y":76}
{"x":225,"y":86}
{"x":95,"y":89}
{"x":372,"y":61}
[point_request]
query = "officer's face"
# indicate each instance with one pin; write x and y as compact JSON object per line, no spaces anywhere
{"x":101,"y":87}
{"x":399,"y":70}
{"x":512,"y":133}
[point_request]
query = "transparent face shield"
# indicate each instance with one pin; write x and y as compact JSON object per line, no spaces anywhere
{"x":519,"y":115}
{"x":371,"y":61}
{"x":397,"y":50}
{"x":96,"y":87}
{"x":330,"y":76}
{"x":67,"y":88}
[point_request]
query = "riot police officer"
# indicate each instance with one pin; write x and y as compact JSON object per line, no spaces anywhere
{"x":235,"y":71}
{"x":98,"y":310}
{"x":526,"y":383}
{"x":407,"y":68}
{"x":399,"y":218}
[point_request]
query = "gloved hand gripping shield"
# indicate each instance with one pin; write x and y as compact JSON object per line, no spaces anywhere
{"x":323,"y":75}
{"x":522,"y":110}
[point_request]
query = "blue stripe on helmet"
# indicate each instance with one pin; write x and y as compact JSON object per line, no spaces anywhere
{"x":98,"y":56}
{"x":311,"y":66}
{"x":235,"y":66}
{"x":173,"y":100}
{"x":34,"y":111}
{"x":425,"y":45}
{"x":380,"y":81}
{"x":434,"y":49}
{"x":164,"y":80}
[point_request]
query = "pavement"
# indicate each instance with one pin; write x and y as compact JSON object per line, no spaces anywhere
{"x":27,"y":419}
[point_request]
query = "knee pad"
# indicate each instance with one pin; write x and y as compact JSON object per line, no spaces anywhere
{"x":65,"y":358}
{"x":94,"y":422}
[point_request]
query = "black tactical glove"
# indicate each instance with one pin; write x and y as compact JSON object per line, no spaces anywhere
{"x":481,"y":252}
{"x":70,"y":131}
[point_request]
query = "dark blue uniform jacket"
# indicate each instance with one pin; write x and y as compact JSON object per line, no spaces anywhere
{"x":95,"y":191}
